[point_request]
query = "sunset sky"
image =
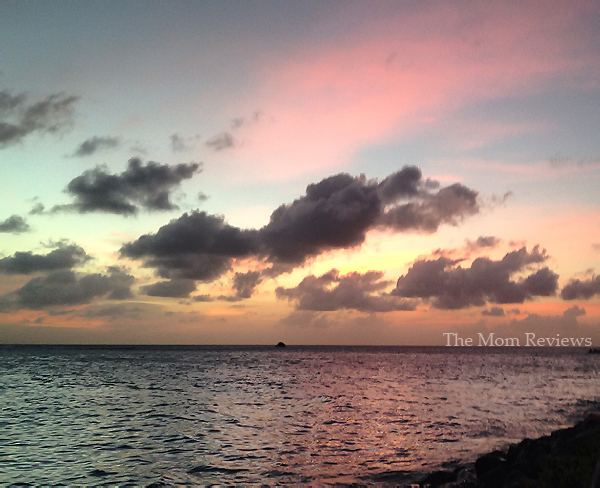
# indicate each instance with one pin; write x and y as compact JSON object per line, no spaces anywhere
{"x":308,"y":172}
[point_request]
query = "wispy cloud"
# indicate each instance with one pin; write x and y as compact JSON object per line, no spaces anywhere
{"x":19,"y":118}
{"x":95,"y":144}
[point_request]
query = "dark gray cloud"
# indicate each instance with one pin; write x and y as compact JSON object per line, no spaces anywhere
{"x":177,"y":288}
{"x":19,"y":118}
{"x":581,"y":289}
{"x":450,"y":205}
{"x":483,"y":242}
{"x":221,"y":141}
{"x":405,"y":183}
{"x":338,"y":212}
{"x":574,"y":311}
{"x":148,"y":186}
{"x":202,"y":267}
{"x":451,"y":287}
{"x":329,"y":292}
{"x":65,"y":257}
{"x":335,"y":213}
{"x":494,"y":312}
{"x":95,"y":144}
{"x":63,"y":287}
{"x":243,"y":284}
{"x":14,"y":225}
{"x":196,"y":246}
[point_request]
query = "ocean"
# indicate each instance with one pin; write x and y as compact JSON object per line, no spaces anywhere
{"x":141,"y":415}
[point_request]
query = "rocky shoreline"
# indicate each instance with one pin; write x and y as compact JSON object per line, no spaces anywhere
{"x":568,"y":458}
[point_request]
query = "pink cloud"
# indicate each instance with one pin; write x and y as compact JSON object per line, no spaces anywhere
{"x":393,"y":76}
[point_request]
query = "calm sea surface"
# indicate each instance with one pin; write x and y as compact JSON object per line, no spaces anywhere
{"x":239,"y":415}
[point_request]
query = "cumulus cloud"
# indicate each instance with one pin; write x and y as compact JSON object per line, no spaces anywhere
{"x":203,"y":267}
{"x":14,"y":225}
{"x":221,"y":141}
{"x":329,"y":292}
{"x":449,"y":286}
{"x":338,"y":212}
{"x":404,"y":183}
{"x":19,"y":118}
{"x":177,"y":288}
{"x":196,"y":246}
{"x":494,"y":312}
{"x":449,"y":205}
{"x":243,"y":284}
{"x":148,"y":186}
{"x":63,"y":287}
{"x":574,"y":311}
{"x":65,"y":257}
{"x":335,"y":213}
{"x":581,"y":289}
{"x":95,"y":144}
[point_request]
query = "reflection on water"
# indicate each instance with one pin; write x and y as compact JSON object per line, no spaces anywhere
{"x":83,"y":415}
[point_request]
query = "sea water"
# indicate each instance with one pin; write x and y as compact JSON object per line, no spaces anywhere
{"x":83,"y":415}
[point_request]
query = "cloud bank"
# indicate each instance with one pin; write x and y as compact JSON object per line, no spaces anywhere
{"x":63,"y":287}
{"x":449,"y":286}
{"x":335,"y":213}
{"x":330,"y":292}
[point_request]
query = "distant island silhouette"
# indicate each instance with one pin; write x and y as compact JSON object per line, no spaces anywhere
{"x":280,"y":344}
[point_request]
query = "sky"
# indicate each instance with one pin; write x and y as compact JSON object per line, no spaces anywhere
{"x":312,"y":172}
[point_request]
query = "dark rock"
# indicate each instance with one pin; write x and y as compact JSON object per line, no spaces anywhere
{"x":280,"y":344}
{"x":496,"y":477}
{"x":438,"y":478}
{"x":463,"y":476}
{"x":488,"y":462}
{"x":568,"y":458}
